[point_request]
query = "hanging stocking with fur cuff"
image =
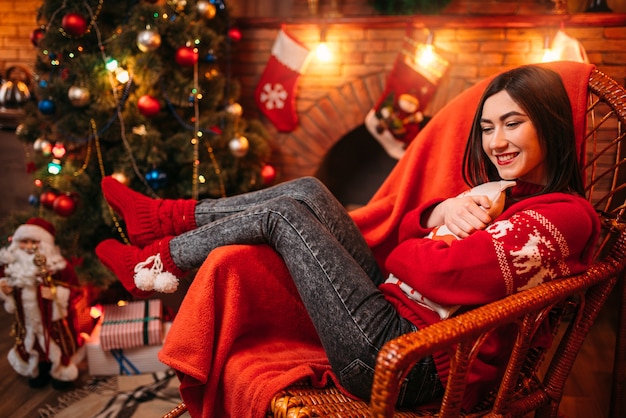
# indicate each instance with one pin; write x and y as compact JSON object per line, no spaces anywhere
{"x":398,"y":115}
{"x":275,"y":95}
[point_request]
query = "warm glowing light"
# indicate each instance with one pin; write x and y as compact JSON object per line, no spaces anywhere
{"x":548,"y":55}
{"x":121,"y":177}
{"x":122,"y":75}
{"x":323,"y":52}
{"x":201,"y":179}
{"x":96,"y":311}
{"x":427,"y":61}
{"x":58,"y":150}
{"x":425,"y":56}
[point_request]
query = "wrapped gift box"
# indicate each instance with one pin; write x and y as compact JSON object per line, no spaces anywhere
{"x":135,"y":324}
{"x":128,"y":361}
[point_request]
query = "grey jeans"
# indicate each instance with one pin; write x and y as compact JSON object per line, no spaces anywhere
{"x":331,"y":265}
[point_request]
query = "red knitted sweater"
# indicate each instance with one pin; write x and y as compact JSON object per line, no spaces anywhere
{"x":534,"y":240}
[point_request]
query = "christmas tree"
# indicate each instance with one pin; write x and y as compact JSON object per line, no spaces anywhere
{"x":139,"y":90}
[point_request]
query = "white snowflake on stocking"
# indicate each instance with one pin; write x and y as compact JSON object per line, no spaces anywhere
{"x":273,"y":97}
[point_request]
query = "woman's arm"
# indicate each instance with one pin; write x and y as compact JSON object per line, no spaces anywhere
{"x":533,"y":241}
{"x":462,"y":215}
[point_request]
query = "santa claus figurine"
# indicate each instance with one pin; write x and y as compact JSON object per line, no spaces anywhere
{"x":37,"y":285}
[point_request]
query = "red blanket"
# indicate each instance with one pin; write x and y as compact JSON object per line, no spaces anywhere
{"x":242,"y":334}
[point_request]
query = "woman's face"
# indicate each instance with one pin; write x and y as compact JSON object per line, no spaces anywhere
{"x":510,"y":140}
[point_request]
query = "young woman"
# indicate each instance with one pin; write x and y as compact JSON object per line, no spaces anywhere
{"x":522,"y":131}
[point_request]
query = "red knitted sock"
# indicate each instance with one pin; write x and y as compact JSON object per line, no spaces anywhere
{"x":141,"y":271}
{"x":148,"y":219}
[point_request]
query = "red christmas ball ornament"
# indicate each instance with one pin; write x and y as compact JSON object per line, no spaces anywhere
{"x":36,"y":35}
{"x":234,"y":34}
{"x":47,"y":199}
{"x":186,"y":56}
{"x":148,"y":105}
{"x":268,"y":174}
{"x":64,"y":205}
{"x":74,"y":24}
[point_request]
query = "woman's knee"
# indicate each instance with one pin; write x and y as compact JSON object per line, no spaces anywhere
{"x":314,"y":188}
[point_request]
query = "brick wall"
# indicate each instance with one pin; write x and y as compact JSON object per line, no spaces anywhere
{"x":17,"y":21}
{"x":333,"y":98}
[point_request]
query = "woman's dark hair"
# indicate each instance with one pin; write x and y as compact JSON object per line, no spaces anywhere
{"x":540,"y":92}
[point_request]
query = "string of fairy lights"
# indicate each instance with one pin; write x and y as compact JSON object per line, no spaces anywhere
{"x":73,"y":26}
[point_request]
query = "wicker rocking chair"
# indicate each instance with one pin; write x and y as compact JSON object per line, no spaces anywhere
{"x":533,"y":380}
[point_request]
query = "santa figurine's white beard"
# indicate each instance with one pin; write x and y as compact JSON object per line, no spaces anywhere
{"x":20,"y":269}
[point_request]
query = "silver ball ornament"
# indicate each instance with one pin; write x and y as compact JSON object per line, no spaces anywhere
{"x":42,"y":145}
{"x":239,"y":146}
{"x":79,"y":96}
{"x":148,"y":40}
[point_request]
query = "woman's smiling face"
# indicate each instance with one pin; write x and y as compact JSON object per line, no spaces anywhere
{"x":510,"y":140}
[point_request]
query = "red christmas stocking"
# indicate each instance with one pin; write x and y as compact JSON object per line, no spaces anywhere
{"x":395,"y":119}
{"x":275,"y":93}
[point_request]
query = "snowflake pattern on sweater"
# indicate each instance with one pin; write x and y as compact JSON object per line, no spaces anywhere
{"x":540,"y":252}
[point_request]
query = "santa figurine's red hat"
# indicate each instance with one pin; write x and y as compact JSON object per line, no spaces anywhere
{"x":37,"y":229}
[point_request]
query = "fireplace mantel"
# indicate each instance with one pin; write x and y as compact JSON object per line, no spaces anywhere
{"x":449,"y":21}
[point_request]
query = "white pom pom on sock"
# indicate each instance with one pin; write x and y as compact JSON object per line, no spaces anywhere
{"x":144,"y":279}
{"x":154,"y":278}
{"x":165,"y":282}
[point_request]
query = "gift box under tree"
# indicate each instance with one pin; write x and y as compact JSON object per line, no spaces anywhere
{"x":127,"y":339}
{"x":132,"y":325}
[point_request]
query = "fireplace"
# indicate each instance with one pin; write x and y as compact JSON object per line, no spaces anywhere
{"x":333,"y":99}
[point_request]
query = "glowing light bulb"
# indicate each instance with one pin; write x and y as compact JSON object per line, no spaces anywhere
{"x":96,"y":311}
{"x":323,"y":52}
{"x":54,"y":167}
{"x":111,"y":64}
{"x":425,"y":56}
{"x":122,"y":75}
{"x":58,"y":150}
{"x":548,"y":55}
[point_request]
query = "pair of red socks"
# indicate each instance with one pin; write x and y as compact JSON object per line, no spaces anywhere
{"x":147,"y":265}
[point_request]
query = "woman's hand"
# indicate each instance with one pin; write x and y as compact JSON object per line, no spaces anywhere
{"x":462,"y":215}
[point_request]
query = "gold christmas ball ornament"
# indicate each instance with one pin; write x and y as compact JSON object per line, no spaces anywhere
{"x":239,"y":146}
{"x":148,"y":40}
{"x":79,"y":96}
{"x":235,"y":109}
{"x":206,"y":9}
